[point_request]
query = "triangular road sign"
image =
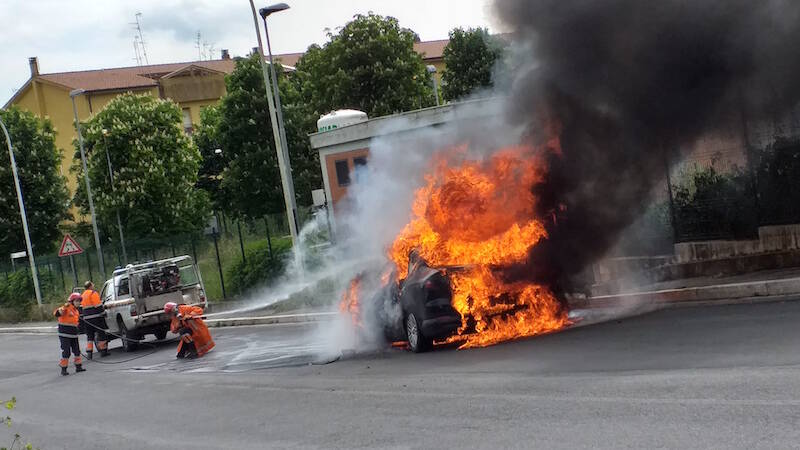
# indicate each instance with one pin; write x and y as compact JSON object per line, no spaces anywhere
{"x":69,"y":247}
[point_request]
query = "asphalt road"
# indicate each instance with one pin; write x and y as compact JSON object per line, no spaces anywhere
{"x":711,"y":377}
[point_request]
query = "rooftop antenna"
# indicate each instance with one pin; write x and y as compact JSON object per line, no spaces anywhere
{"x":138,"y":28}
{"x":209,"y":50}
{"x":137,"y":55}
{"x":199,"y":47}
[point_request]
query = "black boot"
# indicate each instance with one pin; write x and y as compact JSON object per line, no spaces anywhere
{"x":104,"y":353}
{"x":89,"y":354}
{"x":79,"y":368}
{"x":64,"y":371}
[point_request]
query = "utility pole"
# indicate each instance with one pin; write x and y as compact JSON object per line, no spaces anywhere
{"x":100,"y":261}
{"x":276,"y":119}
{"x":22,"y":213}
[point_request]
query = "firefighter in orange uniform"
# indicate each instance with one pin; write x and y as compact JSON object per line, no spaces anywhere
{"x":187,"y":322}
{"x":68,"y":334}
{"x":92,"y":315}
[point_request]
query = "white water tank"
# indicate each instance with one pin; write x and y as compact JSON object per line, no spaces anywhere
{"x":340,"y":118}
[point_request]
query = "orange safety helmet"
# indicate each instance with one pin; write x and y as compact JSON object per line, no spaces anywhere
{"x":74,"y":297}
{"x":170,"y":307}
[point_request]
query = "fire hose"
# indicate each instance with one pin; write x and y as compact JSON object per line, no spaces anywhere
{"x":142,"y":342}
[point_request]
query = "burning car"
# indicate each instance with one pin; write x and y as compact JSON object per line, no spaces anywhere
{"x":418,"y":308}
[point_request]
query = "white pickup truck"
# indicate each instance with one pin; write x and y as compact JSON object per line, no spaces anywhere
{"x":135,"y":296}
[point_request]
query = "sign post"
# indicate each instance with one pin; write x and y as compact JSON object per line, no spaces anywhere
{"x":69,"y":247}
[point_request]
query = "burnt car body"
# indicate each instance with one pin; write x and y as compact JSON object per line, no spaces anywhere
{"x":418,"y":309}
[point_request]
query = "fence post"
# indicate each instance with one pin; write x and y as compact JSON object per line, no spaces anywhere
{"x":89,"y":264}
{"x":74,"y":272}
{"x":219,"y":265}
{"x":61,"y":271}
{"x":269,"y":240}
{"x":673,"y":217}
{"x":241,"y":242}
{"x":194,"y":251}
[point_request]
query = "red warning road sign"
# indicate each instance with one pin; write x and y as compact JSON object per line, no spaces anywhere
{"x":69,"y":247}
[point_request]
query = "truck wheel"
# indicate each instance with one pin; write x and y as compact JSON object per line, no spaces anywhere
{"x":417,"y":343}
{"x":129,"y":343}
{"x":161,"y":334}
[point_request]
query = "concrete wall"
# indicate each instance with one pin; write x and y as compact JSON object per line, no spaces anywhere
{"x":772,"y":238}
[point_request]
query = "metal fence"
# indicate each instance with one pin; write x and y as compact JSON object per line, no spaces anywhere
{"x":215,"y":254}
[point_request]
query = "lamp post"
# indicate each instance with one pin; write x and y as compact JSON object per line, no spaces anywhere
{"x":114,"y":191}
{"x":276,"y":118}
{"x":72,"y":95}
{"x":432,"y":70}
{"x":25,"y":230}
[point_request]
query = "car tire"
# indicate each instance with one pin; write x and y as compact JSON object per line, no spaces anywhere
{"x":161,"y":334}
{"x":417,"y":343}
{"x":129,"y":343}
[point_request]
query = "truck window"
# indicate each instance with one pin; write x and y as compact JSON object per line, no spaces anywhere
{"x":188,"y":276}
{"x":123,"y":288}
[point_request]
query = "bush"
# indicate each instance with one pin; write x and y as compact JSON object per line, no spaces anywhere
{"x":17,"y":294}
{"x":713,"y":205}
{"x":779,"y":182}
{"x":258,"y":268}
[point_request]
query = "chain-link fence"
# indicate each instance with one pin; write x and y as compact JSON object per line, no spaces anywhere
{"x":217,"y":254}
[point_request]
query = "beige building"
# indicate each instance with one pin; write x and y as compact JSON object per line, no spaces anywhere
{"x":192,"y":85}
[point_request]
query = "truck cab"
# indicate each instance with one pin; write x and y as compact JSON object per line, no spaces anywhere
{"x":135,"y":296}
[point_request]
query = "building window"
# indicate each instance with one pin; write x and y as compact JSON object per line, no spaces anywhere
{"x":187,"y":121}
{"x":342,"y":172}
{"x":360,"y":164}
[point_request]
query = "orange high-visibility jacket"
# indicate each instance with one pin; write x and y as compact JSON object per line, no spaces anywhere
{"x":67,"y":320}
{"x":191,"y":320}
{"x":91,"y":305}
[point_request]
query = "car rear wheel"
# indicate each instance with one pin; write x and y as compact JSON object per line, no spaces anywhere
{"x":129,"y":342}
{"x":416,"y":341}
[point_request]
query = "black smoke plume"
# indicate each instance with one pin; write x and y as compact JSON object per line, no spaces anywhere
{"x":627,"y":83}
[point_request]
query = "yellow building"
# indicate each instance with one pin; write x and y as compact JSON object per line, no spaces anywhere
{"x":192,"y":85}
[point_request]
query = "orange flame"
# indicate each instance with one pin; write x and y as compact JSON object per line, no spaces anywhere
{"x":349,"y":303}
{"x":481,"y":214}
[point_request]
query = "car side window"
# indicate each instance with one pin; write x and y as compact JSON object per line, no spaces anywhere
{"x":105,"y":294}
{"x":123,"y":288}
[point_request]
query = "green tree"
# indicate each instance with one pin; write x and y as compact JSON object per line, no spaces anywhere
{"x":369,"y":65}
{"x":251,"y":182}
{"x":469,"y":59}
{"x":43,"y":188}
{"x":155,"y":168}
{"x":206,"y":137}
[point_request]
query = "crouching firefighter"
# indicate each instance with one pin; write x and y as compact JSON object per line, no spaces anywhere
{"x":195,"y":339}
{"x":94,"y":321}
{"x":68,"y":334}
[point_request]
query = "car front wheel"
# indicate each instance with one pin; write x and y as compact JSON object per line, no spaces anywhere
{"x":416,"y":341}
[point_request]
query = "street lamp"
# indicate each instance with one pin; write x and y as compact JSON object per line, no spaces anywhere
{"x":24,"y":216}
{"x":432,"y":70}
{"x":72,"y":95}
{"x":276,"y":118}
{"x":114,"y":191}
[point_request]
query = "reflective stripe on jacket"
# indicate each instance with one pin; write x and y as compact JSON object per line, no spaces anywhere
{"x":67,"y":320}
{"x":91,"y":304}
{"x":191,"y":320}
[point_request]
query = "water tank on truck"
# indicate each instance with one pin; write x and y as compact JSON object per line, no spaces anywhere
{"x":340,"y":118}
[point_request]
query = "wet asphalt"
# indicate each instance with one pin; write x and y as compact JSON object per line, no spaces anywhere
{"x":705,"y":377}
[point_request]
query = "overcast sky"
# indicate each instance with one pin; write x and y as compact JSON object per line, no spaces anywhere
{"x":93,"y":34}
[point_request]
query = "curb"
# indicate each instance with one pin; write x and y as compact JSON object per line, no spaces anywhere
{"x":212,"y":323}
{"x":721,"y":294}
{"x":271,"y":320}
